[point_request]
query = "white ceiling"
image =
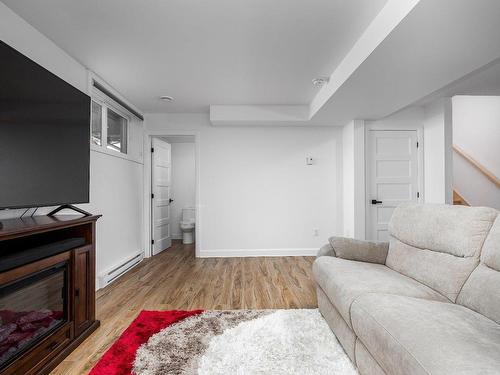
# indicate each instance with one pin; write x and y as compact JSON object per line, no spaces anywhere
{"x":412,"y":50}
{"x":205,"y":52}
{"x":484,"y":81}
{"x":438,"y":48}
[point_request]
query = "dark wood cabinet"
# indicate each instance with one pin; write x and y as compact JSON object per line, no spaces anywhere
{"x":55,"y":257}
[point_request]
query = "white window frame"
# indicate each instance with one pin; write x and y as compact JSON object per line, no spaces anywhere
{"x":135,"y":124}
{"x":106,"y":103}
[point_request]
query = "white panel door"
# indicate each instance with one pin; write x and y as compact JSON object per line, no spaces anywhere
{"x":392,"y":177}
{"x":161,"y":181}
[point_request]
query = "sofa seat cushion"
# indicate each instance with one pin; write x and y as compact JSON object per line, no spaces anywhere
{"x":345,"y":280}
{"x":415,"y":336}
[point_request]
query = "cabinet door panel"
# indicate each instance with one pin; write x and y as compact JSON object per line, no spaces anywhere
{"x":82,"y":289}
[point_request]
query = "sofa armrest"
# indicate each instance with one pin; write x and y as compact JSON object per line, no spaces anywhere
{"x":326,"y":250}
{"x":359,"y":250}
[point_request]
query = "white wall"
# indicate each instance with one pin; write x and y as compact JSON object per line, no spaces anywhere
{"x":257,"y":195}
{"x":476,"y":130}
{"x":115,"y":183}
{"x":438,"y":155}
{"x":116,"y":193}
{"x":183,"y":182}
{"x":353,"y":171}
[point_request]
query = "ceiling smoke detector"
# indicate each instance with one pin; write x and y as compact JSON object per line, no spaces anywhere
{"x":166,"y":98}
{"x":320,"y":82}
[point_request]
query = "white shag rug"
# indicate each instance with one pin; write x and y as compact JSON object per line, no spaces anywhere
{"x":283,"y":342}
{"x":247,"y":342}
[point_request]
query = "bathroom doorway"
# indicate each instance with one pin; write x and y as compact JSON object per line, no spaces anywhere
{"x":161,"y":197}
{"x":172,"y":181}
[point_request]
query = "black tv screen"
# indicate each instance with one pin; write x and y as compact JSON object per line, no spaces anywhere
{"x":44,"y":136}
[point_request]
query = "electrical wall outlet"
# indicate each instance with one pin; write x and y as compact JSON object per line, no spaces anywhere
{"x":315,"y":232}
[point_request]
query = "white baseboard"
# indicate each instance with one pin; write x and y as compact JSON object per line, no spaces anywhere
{"x":177,"y":236}
{"x":243,"y":253}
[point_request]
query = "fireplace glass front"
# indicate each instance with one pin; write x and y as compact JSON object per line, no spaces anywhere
{"x":31,"y":308}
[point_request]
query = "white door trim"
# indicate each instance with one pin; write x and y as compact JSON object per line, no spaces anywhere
{"x":420,"y":161}
{"x":148,"y":136}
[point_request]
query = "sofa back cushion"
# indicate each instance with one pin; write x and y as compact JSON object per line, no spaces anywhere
{"x":481,"y":291}
{"x":490,"y":255}
{"x":438,"y":245}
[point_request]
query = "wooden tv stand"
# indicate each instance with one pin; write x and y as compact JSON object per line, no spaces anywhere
{"x":42,"y":242}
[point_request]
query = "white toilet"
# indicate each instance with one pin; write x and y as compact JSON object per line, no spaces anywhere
{"x":187,"y":225}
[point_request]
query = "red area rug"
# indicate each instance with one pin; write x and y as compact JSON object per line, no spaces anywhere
{"x":119,"y":359}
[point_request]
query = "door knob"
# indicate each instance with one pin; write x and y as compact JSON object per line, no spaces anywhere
{"x":374,"y":201}
{"x":170,"y":200}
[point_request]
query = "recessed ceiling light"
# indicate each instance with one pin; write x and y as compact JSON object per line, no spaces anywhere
{"x":320,"y":82}
{"x":167,"y":98}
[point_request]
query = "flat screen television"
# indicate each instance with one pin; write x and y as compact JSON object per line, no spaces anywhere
{"x":44,"y":136}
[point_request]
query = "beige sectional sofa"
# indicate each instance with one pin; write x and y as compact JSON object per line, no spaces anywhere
{"x":427,"y":302}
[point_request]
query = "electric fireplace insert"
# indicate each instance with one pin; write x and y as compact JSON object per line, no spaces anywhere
{"x":30,"y":309}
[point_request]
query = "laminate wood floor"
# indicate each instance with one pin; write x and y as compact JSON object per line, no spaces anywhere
{"x":175,"y":279}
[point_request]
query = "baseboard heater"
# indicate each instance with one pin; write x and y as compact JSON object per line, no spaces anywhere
{"x":107,"y":277}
